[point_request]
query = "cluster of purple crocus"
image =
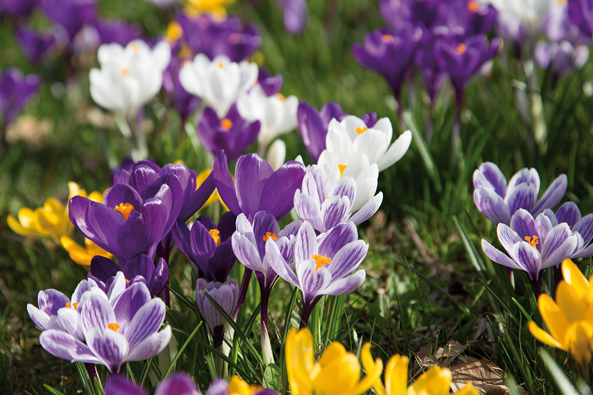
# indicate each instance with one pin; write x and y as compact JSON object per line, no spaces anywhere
{"x":534,"y":237}
{"x":442,"y":38}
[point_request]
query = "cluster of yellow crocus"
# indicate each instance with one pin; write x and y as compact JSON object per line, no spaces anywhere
{"x":338,"y":372}
{"x":214,"y":7}
{"x":51,"y":222}
{"x":569,"y":319}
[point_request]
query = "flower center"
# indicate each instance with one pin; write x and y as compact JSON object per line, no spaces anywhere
{"x":342,"y":168}
{"x":125,"y":71}
{"x":220,"y":65}
{"x":234,"y":38}
{"x":124,"y":209}
{"x":533,"y":241}
{"x":114,"y":326}
{"x":270,"y":235}
{"x":280,"y":97}
{"x":226,"y":124}
{"x":361,"y":130}
{"x":473,"y":6}
{"x":134,"y":47}
{"x":215,"y":235}
{"x":461,"y":48}
{"x":387,"y":39}
{"x":74,"y":305}
{"x":321,"y":261}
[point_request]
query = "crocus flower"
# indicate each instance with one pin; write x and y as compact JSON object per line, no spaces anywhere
{"x":327,"y":198}
{"x":390,"y":53}
{"x":232,"y":133}
{"x":568,"y":319}
{"x":82,"y":254}
{"x":276,"y":113}
{"x":534,"y":244}
{"x":580,"y":13}
{"x":352,"y":136}
{"x":249,"y":243}
{"x":499,"y":201}
{"x":207,"y":245}
{"x":128,"y":223}
{"x":226,"y":295}
{"x":399,"y":13}
{"x":215,"y":37}
{"x":33,"y":44}
{"x":336,"y":371}
{"x":218,"y":82}
{"x":139,"y":269}
{"x":468,"y":17}
{"x":70,"y":15}
{"x":562,"y":57}
{"x":426,"y":61}
{"x":464,"y":59}
{"x":570,"y":214}
{"x":129,"y":77}
{"x":509,"y":27}
{"x":257,"y":186}
{"x":114,"y":334}
{"x":295,"y":15}
{"x":270,"y":84}
{"x":116,"y":31}
{"x":16,"y":91}
{"x":184,"y":102}
{"x":323,"y":265}
{"x":18,"y":8}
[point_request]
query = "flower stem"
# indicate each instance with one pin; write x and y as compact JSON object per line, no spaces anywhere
{"x":305,"y":314}
{"x":92,"y":370}
{"x":267,"y":353}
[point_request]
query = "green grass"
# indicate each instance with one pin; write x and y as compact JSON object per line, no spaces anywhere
{"x":428,"y":281}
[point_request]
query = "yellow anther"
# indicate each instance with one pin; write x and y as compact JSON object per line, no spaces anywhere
{"x":215,"y":235}
{"x":114,"y":326}
{"x":321,"y":261}
{"x":226,"y":124}
{"x":134,"y":47}
{"x":221,"y":65}
{"x":124,"y":209}
{"x":127,"y":281}
{"x":461,"y":48}
{"x":473,"y":6}
{"x":387,"y":39}
{"x":270,"y":235}
{"x":74,"y":305}
{"x":361,"y":130}
{"x":533,"y":241}
{"x":342,"y":168}
{"x":125,"y":71}
{"x":280,"y":97}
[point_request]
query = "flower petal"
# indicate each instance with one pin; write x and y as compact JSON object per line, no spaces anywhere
{"x":63,"y":345}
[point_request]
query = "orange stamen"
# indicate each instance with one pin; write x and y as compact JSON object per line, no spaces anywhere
{"x":220,"y":65}
{"x":125,"y":71}
{"x":215,"y":235}
{"x":361,"y":130}
{"x":280,"y":97}
{"x":461,"y":48}
{"x":114,"y":326}
{"x":134,"y":47}
{"x":473,"y":6}
{"x":75,"y":305}
{"x":124,"y":209}
{"x":533,"y":241}
{"x":321,"y":261}
{"x":270,"y":235}
{"x":387,"y":39}
{"x":226,"y":124}
{"x":342,"y":168}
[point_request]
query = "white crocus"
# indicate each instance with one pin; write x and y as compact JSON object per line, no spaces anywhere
{"x":276,"y":154}
{"x":364,"y":173}
{"x":352,"y":137}
{"x":531,"y":12}
{"x":276,"y":113}
{"x":219,"y":81}
{"x":129,"y":77}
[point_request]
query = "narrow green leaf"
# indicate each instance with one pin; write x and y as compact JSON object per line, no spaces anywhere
{"x":191,"y":336}
{"x":562,"y":381}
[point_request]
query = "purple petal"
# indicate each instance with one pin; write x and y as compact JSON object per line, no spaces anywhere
{"x":198,"y":198}
{"x":569,"y":212}
{"x":251,"y":176}
{"x":312,"y":280}
{"x":552,"y":196}
{"x":178,"y":384}
{"x":524,"y":176}
{"x":334,"y":240}
{"x":119,"y":385}
{"x":543,"y":225}
{"x":522,"y":222}
{"x":585,"y":228}
{"x":160,"y":276}
{"x":308,"y":210}
{"x":147,"y":321}
{"x":334,"y":211}
{"x":122,"y":193}
{"x":129,"y":305}
{"x":368,"y":210}
{"x":521,"y":197}
{"x":151,"y":346}
{"x":498,"y":257}
{"x":224,"y":183}
{"x":348,"y":259}
{"x":346,"y":285}
{"x":39,"y":317}
{"x":65,"y":346}
{"x":139,"y":266}
{"x":103,"y":268}
{"x":586,"y":253}
{"x":279,"y":265}
{"x":489,"y":175}
{"x":528,"y":257}
{"x":104,"y":224}
{"x":305,"y":244}
{"x":67,"y":320}
{"x":97,"y":314}
{"x":247,"y":253}
{"x":142,"y":176}
{"x":262,"y":224}
{"x":218,"y":387}
{"x":50,"y":301}
{"x":492,"y":205}
{"x":557,"y":236}
{"x":110,"y":346}
{"x":278,"y":193}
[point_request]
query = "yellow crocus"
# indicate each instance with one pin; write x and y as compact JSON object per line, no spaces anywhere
{"x":82,"y":255}
{"x":214,"y":7}
{"x":336,"y":373}
{"x":215,"y":196}
{"x":237,"y":386}
{"x":569,"y":319}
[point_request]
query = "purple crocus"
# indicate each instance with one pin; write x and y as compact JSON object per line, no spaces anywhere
{"x":462,"y":60}
{"x":295,"y":15}
{"x":70,"y":15}
{"x":127,"y":330}
{"x":183,"y":101}
{"x":533,"y":245}
{"x":116,"y":31}
{"x":129,"y":223}
{"x":33,"y":44}
{"x":580,"y":13}
{"x":390,"y":53}
{"x":257,"y":186}
{"x":232,"y":134}
{"x":207,"y":245}
{"x":499,"y":201}
{"x":18,"y":8}
{"x":324,"y":265}
{"x":563,"y":58}
{"x":570,"y":214}
{"x":399,"y":13}
{"x":313,"y":124}
{"x":271,"y":85}
{"x":16,"y":91}
{"x":139,"y":269}
{"x":226,"y":295}
{"x":212,"y":37}
{"x":468,"y":17}
{"x":249,"y":245}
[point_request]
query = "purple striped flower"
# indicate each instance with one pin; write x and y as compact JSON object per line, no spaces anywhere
{"x":226,"y":295}
{"x":324,"y":265}
{"x":257,"y":186}
{"x":570,"y":214}
{"x":499,"y":201}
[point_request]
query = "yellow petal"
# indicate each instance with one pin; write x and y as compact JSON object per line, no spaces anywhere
{"x":578,"y":337}
{"x":94,"y":249}
{"x":553,"y":316}
{"x":338,"y":376}
{"x":53,"y":205}
{"x":18,"y":228}
{"x":96,"y":196}
{"x":299,"y":361}
{"x":214,"y":197}
{"x":545,"y":337}
{"x":436,"y":381}
{"x":396,"y":375}
{"x":570,"y":303}
{"x":82,"y":255}
{"x":468,"y":390}
{"x":74,"y":190}
{"x":373,"y":372}
{"x":573,"y":276}
{"x":237,"y":386}
{"x":333,"y":352}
